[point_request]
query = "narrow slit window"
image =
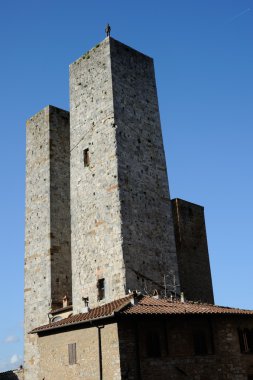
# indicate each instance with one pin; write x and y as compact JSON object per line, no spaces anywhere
{"x":72,"y":353}
{"x":86,"y":157}
{"x":101,"y":289}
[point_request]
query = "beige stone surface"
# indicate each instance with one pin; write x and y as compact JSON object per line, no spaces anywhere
{"x":54,"y":360}
{"x":47,"y":235}
{"x":121,"y":221}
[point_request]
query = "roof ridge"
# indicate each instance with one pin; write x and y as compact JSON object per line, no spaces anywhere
{"x":189,"y":302}
{"x":143,"y":306}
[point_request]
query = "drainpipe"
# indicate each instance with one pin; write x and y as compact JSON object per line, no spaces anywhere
{"x":137,"y":350}
{"x":100,"y":358}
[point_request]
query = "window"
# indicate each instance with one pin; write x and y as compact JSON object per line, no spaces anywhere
{"x":72,"y":353}
{"x":246,"y":340}
{"x":250,"y":377}
{"x":86,"y":157}
{"x":200,"y":343}
{"x":101,"y":289}
{"x":153,"y":345}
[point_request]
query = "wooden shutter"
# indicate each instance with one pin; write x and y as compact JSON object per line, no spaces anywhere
{"x":72,"y":353}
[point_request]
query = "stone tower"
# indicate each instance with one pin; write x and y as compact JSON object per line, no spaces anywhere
{"x":47,"y":240}
{"x":192,"y":251}
{"x":99,"y":219}
{"x":121,"y":220}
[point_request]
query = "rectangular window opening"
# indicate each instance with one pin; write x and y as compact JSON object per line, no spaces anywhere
{"x":246,"y":340}
{"x":86,"y":157}
{"x":200,"y":343}
{"x":153,"y":344}
{"x":101,"y":289}
{"x":72,"y":353}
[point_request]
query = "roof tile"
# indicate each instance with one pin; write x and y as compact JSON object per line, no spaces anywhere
{"x":150,"y":305}
{"x":143,"y":305}
{"x":99,"y":312}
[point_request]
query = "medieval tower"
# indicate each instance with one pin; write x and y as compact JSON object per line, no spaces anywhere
{"x":47,"y":240}
{"x":99,"y":220}
{"x":120,"y":206}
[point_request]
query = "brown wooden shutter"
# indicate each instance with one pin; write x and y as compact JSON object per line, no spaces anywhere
{"x":72,"y":353}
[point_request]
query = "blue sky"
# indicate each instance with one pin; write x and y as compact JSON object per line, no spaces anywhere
{"x":204,"y":68}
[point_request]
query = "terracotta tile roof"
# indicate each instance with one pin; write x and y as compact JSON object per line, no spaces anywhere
{"x":150,"y":305}
{"x":143,"y":305}
{"x":100,"y":312}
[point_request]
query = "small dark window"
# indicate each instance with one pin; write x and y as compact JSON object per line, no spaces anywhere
{"x":101,"y":289}
{"x":72,"y":353}
{"x":86,"y":157}
{"x":153,"y":345}
{"x":250,"y":377}
{"x":200,"y":344}
{"x":246,"y":340}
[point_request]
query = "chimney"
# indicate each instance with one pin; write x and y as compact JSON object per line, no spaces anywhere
{"x":156,"y":294}
{"x":86,"y":308}
{"x":65,"y":301}
{"x":134,"y":299}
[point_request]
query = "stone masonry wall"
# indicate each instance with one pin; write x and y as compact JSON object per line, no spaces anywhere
{"x":178,"y":361}
{"x":119,"y":202}
{"x":95,"y":205}
{"x":147,"y":226}
{"x":55,"y":361}
{"x":37,"y":241}
{"x":124,"y":350}
{"x":192,"y":251}
{"x":47,"y":227}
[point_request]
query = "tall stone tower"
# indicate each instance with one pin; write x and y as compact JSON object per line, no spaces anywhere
{"x":47,"y":241}
{"x":99,"y":219}
{"x":121,"y":220}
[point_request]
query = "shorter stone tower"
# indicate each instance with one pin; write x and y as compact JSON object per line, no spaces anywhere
{"x":47,"y":240}
{"x":192,"y":251}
